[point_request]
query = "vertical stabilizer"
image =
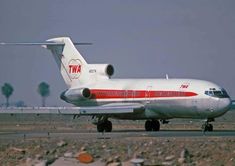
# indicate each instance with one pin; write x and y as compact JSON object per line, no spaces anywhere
{"x":70,"y":62}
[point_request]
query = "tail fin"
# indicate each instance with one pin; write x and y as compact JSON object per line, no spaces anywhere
{"x":73,"y":67}
{"x":70,"y":62}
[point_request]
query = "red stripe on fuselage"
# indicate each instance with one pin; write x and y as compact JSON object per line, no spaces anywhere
{"x":119,"y":94}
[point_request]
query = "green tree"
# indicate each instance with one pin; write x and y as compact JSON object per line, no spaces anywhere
{"x":7,"y":91}
{"x":44,"y":91}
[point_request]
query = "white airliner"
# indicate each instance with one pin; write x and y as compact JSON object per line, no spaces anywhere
{"x":92,"y":90}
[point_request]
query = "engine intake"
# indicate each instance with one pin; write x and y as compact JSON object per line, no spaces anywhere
{"x":110,"y":70}
{"x":101,"y":69}
{"x":86,"y":93}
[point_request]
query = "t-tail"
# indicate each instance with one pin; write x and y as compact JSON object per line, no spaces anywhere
{"x":74,"y":69}
{"x":70,"y":62}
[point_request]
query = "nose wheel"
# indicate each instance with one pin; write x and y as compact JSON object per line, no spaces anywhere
{"x":152,"y":125}
{"x":207,"y":127}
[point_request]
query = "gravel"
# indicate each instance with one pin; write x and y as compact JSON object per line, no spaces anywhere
{"x":153,"y":151}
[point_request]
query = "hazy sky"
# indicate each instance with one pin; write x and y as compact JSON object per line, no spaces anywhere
{"x":183,"y":38}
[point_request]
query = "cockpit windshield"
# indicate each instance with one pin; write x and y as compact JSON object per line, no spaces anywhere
{"x":217,"y":93}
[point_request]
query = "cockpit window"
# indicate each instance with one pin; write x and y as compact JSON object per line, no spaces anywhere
{"x":217,"y":93}
{"x":225,"y":93}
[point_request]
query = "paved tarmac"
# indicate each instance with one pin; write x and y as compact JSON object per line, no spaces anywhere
{"x":113,"y":135}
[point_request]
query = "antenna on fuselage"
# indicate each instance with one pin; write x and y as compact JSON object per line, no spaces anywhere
{"x":167,"y":77}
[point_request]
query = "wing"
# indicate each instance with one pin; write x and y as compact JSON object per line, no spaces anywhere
{"x":109,"y":109}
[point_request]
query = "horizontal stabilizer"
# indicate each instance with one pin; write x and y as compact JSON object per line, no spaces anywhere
{"x":42,"y":43}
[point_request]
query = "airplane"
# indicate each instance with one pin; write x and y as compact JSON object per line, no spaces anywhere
{"x":94,"y":93}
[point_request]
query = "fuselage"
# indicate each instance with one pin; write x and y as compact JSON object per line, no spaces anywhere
{"x":162,"y":98}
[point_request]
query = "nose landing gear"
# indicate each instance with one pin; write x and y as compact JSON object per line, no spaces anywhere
{"x":207,"y":126}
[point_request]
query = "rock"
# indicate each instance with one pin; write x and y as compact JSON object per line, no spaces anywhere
{"x":29,"y":161}
{"x":41,"y":163}
{"x":84,"y":157}
{"x":23,"y":151}
{"x":181,"y":160}
{"x":117,"y":158}
{"x":51,"y":160}
{"x":184,"y":153}
{"x":83,"y":148}
{"x":46,"y":152}
{"x":169,"y":158}
{"x":184,"y":156}
{"x":167,"y":163}
{"x":68,"y":154}
{"x":73,"y":162}
{"x":38,"y":156}
{"x":137,"y":161}
{"x":109,"y":160}
{"x":52,"y":151}
{"x":114,"y":164}
{"x":61,"y":143}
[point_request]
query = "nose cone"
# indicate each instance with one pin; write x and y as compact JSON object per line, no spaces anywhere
{"x":224,"y":104}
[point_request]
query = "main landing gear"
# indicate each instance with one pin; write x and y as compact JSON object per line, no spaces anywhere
{"x":152,"y":125}
{"x":207,"y":126}
{"x":104,"y":126}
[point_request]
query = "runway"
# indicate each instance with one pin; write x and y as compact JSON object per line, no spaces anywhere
{"x":113,"y":135}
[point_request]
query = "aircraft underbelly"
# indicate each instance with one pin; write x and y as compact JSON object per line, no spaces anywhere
{"x":172,"y":108}
{"x":163,"y":109}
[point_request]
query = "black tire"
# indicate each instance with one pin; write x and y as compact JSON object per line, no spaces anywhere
{"x":148,"y":125}
{"x":207,"y":127}
{"x":210,"y":127}
{"x":155,"y":125}
{"x":108,"y":126}
{"x":100,"y":127}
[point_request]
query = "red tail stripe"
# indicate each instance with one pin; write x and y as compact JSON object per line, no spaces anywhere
{"x":119,"y":94}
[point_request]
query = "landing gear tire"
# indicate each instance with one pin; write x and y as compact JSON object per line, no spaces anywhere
{"x":100,"y":127}
{"x":108,"y":126}
{"x":156,"y":125}
{"x":104,"y":126}
{"x":210,"y":128}
{"x":148,"y":125}
{"x":152,"y":125}
{"x":207,"y":127}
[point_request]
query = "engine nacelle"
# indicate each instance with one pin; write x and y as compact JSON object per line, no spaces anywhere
{"x":101,"y":69}
{"x":76,"y":94}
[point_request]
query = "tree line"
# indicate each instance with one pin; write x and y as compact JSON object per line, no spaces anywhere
{"x":43,"y":90}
